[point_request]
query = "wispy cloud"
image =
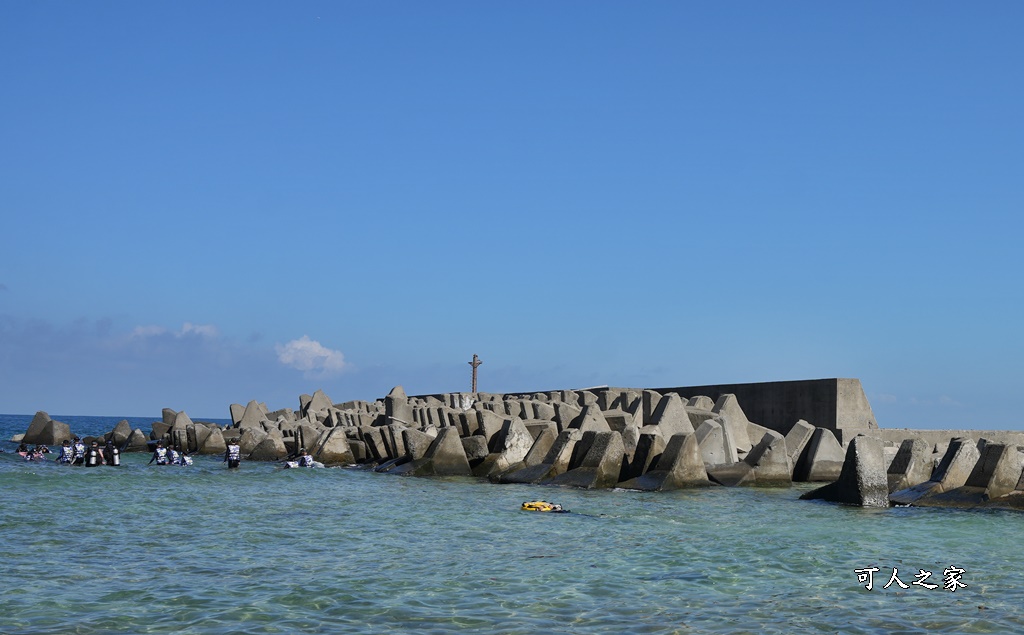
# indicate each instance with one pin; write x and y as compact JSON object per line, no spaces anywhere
{"x":310,"y":356}
{"x":187,"y":329}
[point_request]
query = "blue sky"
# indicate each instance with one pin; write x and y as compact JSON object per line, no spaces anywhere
{"x":207,"y":203}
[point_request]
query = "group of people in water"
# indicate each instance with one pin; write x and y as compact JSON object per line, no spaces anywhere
{"x":76,"y":452}
{"x":169,"y":456}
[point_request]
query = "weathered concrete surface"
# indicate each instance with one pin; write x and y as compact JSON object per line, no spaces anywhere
{"x":671,"y":417}
{"x":956,"y":466}
{"x":600,"y":466}
{"x":728,"y":407}
{"x":863,"y":480}
{"x":43,"y":429}
{"x":590,"y":420}
{"x":679,"y":465}
{"x":769,"y":460}
{"x":796,"y":440}
{"x":252,"y":416}
{"x":995,"y":474}
{"x":511,"y":445}
{"x":444,"y":457}
{"x":822,"y":458}
{"x":941,"y":438}
{"x":475,"y":447}
{"x":555,"y":462}
{"x":397,"y":408}
{"x":649,"y":449}
{"x":270,"y":448}
{"x":911,"y":466}
{"x":331,"y":447}
{"x":766,"y":465}
{"x":715,"y":448}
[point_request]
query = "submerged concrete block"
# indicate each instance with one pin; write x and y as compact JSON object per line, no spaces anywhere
{"x":600,"y":467}
{"x":679,"y":465}
{"x":270,"y":448}
{"x":956,"y":466}
{"x":46,"y":431}
{"x":331,"y":447}
{"x":995,"y":474}
{"x":475,"y":448}
{"x":137,"y":442}
{"x":649,"y":449}
{"x":511,"y":447}
{"x":863,"y":479}
{"x":769,"y":460}
{"x":214,"y":443}
{"x":416,"y":443}
{"x":444,"y":457}
{"x":555,"y":462}
{"x":911,"y":466}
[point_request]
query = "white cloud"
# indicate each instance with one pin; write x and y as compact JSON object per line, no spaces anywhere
{"x":148,"y":331}
{"x":204,"y":330}
{"x":187,"y":329}
{"x":310,"y":355}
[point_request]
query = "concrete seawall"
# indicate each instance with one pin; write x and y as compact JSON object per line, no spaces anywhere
{"x":836,"y":404}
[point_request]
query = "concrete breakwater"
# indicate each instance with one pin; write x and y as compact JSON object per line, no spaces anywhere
{"x":645,"y":439}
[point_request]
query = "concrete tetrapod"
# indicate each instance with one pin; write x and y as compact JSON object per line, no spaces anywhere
{"x":954,"y":469}
{"x":995,"y":475}
{"x":911,"y":466}
{"x":600,"y":466}
{"x":863,"y":479}
{"x":678,"y":466}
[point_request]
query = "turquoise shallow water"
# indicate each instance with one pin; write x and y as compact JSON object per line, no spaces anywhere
{"x":141,"y":549}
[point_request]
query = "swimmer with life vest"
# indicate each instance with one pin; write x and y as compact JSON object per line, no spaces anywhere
{"x":160,"y":455}
{"x":233,"y":454}
{"x":67,"y":453}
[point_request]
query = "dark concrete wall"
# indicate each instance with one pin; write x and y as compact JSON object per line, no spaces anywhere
{"x":837,"y":404}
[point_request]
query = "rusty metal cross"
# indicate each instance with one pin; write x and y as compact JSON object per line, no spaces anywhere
{"x":476,"y":362}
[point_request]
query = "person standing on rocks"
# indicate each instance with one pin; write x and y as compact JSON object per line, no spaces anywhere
{"x":233,"y":455}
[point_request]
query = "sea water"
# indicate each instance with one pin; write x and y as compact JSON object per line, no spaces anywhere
{"x":205,"y":550}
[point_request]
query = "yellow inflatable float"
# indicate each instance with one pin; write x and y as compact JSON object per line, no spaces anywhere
{"x":543,"y":506}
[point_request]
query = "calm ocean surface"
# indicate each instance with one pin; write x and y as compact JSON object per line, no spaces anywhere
{"x":142,"y":549}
